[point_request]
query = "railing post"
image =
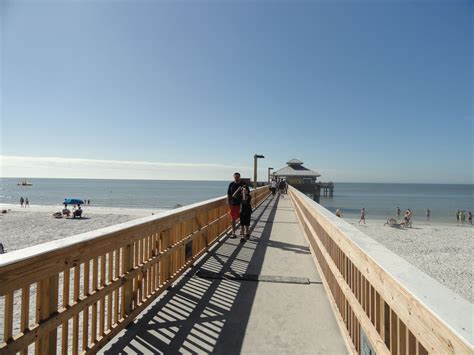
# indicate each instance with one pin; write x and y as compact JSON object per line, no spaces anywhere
{"x":47,"y":304}
{"x":128,"y":297}
{"x":53,"y":286}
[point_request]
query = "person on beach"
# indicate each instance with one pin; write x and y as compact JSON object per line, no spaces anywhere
{"x":245,"y":212}
{"x":362,"y":215}
{"x":281,"y":187}
{"x":462,"y":217}
{"x":27,"y":203}
{"x":428,"y":214}
{"x":469,"y":217}
{"x":406,"y":219}
{"x":234,"y":197}
{"x":338,"y":213}
{"x":458,"y":216}
{"x":273,"y":186}
{"x":398,"y":212}
{"x":21,"y":201}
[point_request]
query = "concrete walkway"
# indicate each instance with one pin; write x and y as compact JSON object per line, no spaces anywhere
{"x":219,"y":307}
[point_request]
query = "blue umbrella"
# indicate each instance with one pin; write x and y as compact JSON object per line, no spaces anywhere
{"x":72,"y":201}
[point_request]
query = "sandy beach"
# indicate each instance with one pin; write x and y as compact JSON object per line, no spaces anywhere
{"x":443,"y":251}
{"x":24,"y":227}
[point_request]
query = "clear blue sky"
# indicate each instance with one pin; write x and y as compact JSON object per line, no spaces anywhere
{"x":358,"y":90}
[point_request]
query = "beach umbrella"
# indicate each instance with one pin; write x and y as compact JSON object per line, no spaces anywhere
{"x":73,"y":201}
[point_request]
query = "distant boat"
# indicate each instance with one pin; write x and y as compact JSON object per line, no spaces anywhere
{"x":24,"y":183}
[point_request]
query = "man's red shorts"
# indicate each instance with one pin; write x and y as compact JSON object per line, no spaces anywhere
{"x":234,"y":212}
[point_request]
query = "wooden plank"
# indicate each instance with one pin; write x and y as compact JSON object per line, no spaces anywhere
{"x":65,"y":304}
{"x":8,"y":317}
{"x":116,"y":291}
{"x":85,"y":312}
{"x":110,"y":270}
{"x":25,"y":313}
{"x":42,"y":343}
{"x":52,"y":303}
{"x":75,"y":320}
{"x":128,"y":287}
{"x":95,"y":279}
{"x":102,"y":277}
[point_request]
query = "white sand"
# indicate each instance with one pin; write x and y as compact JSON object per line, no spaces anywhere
{"x":24,"y":227}
{"x":443,"y":251}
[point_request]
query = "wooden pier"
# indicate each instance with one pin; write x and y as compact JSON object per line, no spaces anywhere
{"x":307,"y":282}
{"x":327,"y":189}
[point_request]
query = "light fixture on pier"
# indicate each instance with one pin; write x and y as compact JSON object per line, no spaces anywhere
{"x":269,"y":173}
{"x":255,"y":157}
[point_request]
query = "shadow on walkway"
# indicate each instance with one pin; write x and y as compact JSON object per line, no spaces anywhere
{"x":201,"y":315}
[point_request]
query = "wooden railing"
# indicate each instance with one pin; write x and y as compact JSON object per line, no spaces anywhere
{"x":73,"y":295}
{"x":380,"y":301}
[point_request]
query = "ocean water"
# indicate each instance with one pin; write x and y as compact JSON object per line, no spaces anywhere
{"x":112,"y":193}
{"x":380,"y":200}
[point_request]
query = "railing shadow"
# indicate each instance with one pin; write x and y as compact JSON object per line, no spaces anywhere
{"x":201,"y":315}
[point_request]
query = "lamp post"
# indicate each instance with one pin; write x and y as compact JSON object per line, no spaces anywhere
{"x":255,"y":157}
{"x":269,"y":173}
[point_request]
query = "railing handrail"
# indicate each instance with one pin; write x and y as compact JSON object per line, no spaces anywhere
{"x":71,"y":241}
{"x":454,"y":312}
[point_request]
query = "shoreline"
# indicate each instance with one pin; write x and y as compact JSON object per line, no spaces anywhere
{"x":416,"y":223}
{"x":86,"y":209}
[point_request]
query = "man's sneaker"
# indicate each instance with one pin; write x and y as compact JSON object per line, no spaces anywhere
{"x":233,"y":236}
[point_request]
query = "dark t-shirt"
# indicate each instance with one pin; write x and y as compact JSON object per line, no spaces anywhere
{"x":246,"y":207}
{"x":233,"y":186}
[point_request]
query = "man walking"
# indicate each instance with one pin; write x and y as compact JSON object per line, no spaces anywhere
{"x":234,"y":197}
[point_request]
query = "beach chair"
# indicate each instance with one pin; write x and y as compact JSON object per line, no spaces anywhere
{"x":77,"y":213}
{"x":392,"y":222}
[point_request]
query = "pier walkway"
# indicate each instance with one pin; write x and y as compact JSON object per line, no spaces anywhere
{"x":176,"y":282}
{"x":262,"y":296}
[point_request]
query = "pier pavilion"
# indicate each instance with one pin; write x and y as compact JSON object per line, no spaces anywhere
{"x":175,"y":282}
{"x":301,"y":178}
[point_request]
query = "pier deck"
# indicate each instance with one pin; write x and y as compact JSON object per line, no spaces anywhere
{"x":218,"y":306}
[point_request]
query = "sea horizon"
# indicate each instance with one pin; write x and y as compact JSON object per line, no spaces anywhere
{"x":379,"y":199}
{"x":230,"y":179}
